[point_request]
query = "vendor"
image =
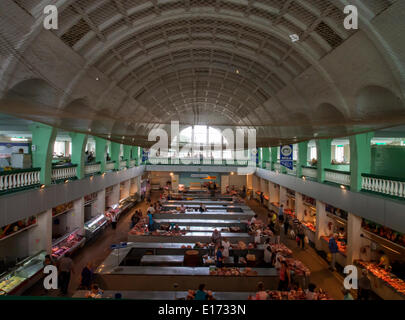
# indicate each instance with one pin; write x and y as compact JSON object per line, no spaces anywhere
{"x":182,"y":208}
{"x":220,"y":257}
{"x":384,"y":260}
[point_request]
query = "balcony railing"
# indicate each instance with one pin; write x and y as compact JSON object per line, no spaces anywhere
{"x":196,"y":161}
{"x":277,"y":167}
{"x":310,"y":172}
{"x":19,"y":178}
{"x":132,"y":163}
{"x":92,"y":168}
{"x":65,"y":172}
{"x":109,"y":166}
{"x":339,"y":177}
{"x":292,"y":172}
{"x":123,"y":164}
{"x":385,"y":185}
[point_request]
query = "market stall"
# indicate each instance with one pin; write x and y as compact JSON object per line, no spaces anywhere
{"x":95,"y":226}
{"x":23,"y":275}
{"x":309,"y":218}
{"x":70,"y":242}
{"x":289,"y":208}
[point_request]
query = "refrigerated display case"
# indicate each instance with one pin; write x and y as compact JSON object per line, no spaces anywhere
{"x":23,"y":275}
{"x":95,"y":226}
{"x":67,"y":243}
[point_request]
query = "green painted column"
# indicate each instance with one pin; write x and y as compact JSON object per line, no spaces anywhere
{"x":140,"y":151}
{"x":101,"y":151}
{"x":43,"y":140}
{"x":302,"y":157}
{"x":127,"y":154}
{"x":360,"y":158}
{"x":260,"y":165}
{"x":273,"y":157}
{"x":135,"y":154}
{"x":266,"y":156}
{"x":115,"y":154}
{"x":323,"y":149}
{"x":79,"y":142}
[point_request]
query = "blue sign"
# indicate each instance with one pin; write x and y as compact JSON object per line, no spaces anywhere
{"x":286,"y":156}
{"x":119,"y":246}
{"x":145,"y":155}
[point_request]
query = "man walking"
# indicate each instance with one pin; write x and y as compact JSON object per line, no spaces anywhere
{"x":333,"y":249}
{"x":65,"y":271}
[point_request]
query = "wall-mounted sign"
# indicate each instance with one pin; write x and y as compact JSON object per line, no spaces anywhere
{"x":286,"y":156}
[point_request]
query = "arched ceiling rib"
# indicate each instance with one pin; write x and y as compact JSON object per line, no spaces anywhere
{"x":189,"y":58}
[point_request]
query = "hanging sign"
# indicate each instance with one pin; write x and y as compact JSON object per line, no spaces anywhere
{"x":286,"y":156}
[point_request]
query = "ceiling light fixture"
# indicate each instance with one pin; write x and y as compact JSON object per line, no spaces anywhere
{"x":342,"y":187}
{"x":294,"y":37}
{"x":97,"y":78}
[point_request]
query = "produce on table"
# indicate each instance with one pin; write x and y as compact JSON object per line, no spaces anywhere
{"x":309,"y":225}
{"x":294,"y":295}
{"x":297,"y":266}
{"x":342,"y":247}
{"x":9,"y":284}
{"x":232,"y":272}
{"x":390,"y":279}
{"x":384,"y":232}
{"x":282,"y":249}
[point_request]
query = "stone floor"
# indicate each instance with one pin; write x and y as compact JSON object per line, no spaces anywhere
{"x":96,"y":251}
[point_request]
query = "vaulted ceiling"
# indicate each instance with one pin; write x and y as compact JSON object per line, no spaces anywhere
{"x":216,"y":62}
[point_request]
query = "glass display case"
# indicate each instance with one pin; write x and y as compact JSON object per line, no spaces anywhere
{"x":95,"y":225}
{"x":68,"y":243}
{"x":16,"y":279}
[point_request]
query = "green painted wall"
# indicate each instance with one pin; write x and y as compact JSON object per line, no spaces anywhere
{"x":388,"y":161}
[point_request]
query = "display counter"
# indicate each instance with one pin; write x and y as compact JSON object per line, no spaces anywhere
{"x":193,"y":237}
{"x":384,"y":284}
{"x":210,"y":215}
{"x":68,"y":243}
{"x":94,"y":226}
{"x":23,"y":275}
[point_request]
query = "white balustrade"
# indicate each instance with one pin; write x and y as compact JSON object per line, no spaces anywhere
{"x":310,"y":172}
{"x":64,"y":173}
{"x":19,"y":179}
{"x":132,"y":163}
{"x":384,"y":185}
{"x":109,"y":166}
{"x":293,"y":171}
{"x":337,"y":177}
{"x":92,"y":168}
{"x":268,"y":165}
{"x":123,"y":164}
{"x":277,"y":167}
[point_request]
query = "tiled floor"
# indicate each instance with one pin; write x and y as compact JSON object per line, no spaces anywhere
{"x":99,"y":249}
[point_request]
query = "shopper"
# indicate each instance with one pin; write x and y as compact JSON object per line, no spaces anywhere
{"x":261,"y":198}
{"x":65,"y":271}
{"x":286,"y":226}
{"x":226,"y":244}
{"x":301,"y":235}
{"x":87,"y":276}
{"x":268,"y":252}
{"x":285,"y":277}
{"x":258,"y":236}
{"x":281,"y":213}
{"x":261,"y":294}
{"x":114,"y":220}
{"x":277,"y":232}
{"x":269,"y":222}
{"x":151,"y":223}
{"x":364,"y":286}
{"x":216,"y":237}
{"x":333,"y":249}
{"x":253,"y":220}
{"x":310,"y":293}
{"x":220,"y":257}
{"x":151,"y":209}
{"x":200,"y":293}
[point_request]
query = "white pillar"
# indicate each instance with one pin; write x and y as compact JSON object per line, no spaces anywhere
{"x":249,"y":181}
{"x":224,"y":183}
{"x":354,"y":241}
{"x":99,"y":205}
{"x":283,"y":196}
{"x":274,"y":193}
{"x":132,"y":188}
{"x":125,"y":190}
{"x":299,"y":206}
{"x":40,"y":237}
{"x":321,"y":223}
{"x":175,"y":182}
{"x":75,"y":218}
